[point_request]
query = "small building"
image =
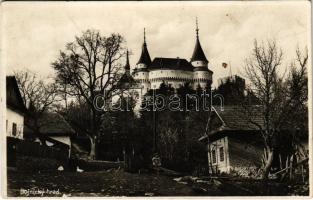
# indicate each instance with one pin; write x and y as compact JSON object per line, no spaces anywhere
{"x":234,"y":144}
{"x":56,"y":131}
{"x":15,"y":110}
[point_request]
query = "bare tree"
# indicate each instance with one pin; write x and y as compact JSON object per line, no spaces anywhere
{"x":279,"y":96}
{"x":90,"y":66}
{"x":37,"y":96}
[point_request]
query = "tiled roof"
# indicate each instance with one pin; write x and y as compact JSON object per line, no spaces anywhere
{"x":171,"y":63}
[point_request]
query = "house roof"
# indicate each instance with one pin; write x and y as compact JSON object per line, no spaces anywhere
{"x":240,"y":118}
{"x":235,"y":120}
{"x":53,"y":124}
{"x":170,"y":63}
{"x":14,"y":99}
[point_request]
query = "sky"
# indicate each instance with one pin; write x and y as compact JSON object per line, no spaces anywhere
{"x":33,"y":32}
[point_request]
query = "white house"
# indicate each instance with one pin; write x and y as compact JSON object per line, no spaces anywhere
{"x":234,"y":144}
{"x":15,"y":109}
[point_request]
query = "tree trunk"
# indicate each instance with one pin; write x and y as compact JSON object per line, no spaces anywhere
{"x":93,"y":138}
{"x":92,"y":154}
{"x":268,"y":162}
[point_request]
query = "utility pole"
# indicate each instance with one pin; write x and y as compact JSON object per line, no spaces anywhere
{"x":154,"y":124}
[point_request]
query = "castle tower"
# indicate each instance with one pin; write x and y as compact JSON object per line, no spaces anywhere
{"x":202,"y":75}
{"x":141,"y":72}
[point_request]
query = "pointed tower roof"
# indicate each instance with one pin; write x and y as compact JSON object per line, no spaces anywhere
{"x":126,"y":80}
{"x":198,"y":53}
{"x":144,"y":57}
{"x":127,"y":66}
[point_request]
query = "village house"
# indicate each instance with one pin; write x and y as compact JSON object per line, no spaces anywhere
{"x":15,"y":109}
{"x":234,"y":144}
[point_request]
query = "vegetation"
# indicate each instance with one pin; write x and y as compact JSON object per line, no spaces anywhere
{"x":280,"y":98}
{"x":90,"y":65}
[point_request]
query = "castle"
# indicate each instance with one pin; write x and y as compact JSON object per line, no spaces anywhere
{"x":175,"y":72}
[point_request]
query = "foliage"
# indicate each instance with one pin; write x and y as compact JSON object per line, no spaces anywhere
{"x":177,"y":131}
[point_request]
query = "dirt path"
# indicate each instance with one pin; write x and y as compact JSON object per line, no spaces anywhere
{"x":120,"y":183}
{"x":114,"y":183}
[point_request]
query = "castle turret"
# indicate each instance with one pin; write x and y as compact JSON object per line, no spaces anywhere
{"x":126,"y":81}
{"x":144,"y":60}
{"x":141,"y":71}
{"x":202,"y":75}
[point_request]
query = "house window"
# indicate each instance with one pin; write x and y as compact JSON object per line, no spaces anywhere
{"x":14,"y":129}
{"x":213,"y":156}
{"x":221,"y":154}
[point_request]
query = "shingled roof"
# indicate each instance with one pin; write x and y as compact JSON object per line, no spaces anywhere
{"x":171,"y":63}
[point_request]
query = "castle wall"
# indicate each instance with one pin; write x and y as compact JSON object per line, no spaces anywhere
{"x":202,"y":78}
{"x":175,"y":78}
